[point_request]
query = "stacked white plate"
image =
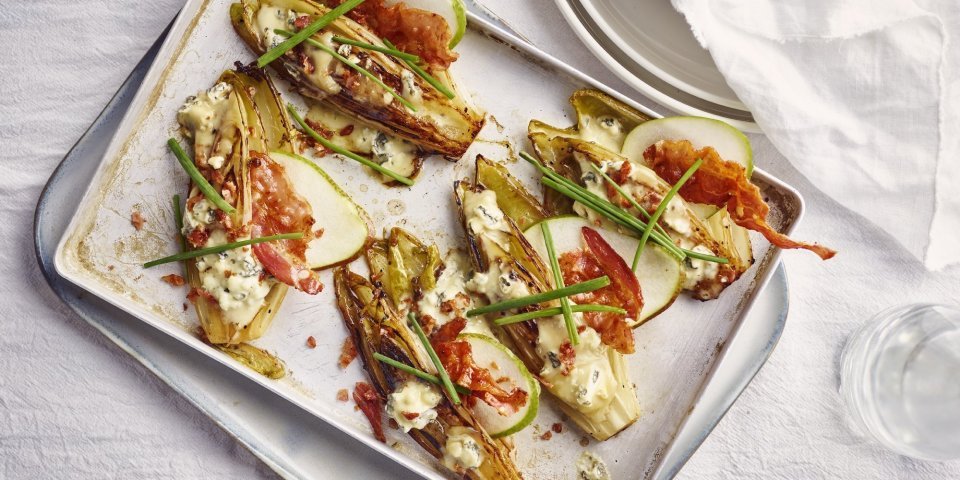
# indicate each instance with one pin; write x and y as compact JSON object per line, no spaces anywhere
{"x":649,"y":46}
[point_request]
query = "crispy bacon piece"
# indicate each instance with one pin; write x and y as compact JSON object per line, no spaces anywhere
{"x":278,"y":209}
{"x":623,"y":291}
{"x":568,"y":356}
{"x":347,"y":353}
{"x":722,"y":184}
{"x":137,"y":220}
{"x":412,"y":30}
{"x":173,"y":279}
{"x":369,"y":402}
{"x":457,"y":358}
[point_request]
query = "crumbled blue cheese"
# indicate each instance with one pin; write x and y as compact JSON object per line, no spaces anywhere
{"x":591,"y":382}
{"x":216,"y":161}
{"x":605,"y":131}
{"x":462,"y":451}
{"x":410,"y":90}
{"x":201,"y":116}
{"x":498,"y":283}
{"x":414,"y":398}
{"x":484,"y":217}
{"x":202,"y":214}
{"x":269,"y":19}
{"x":592,"y":467}
{"x":233,"y":279}
{"x":452,"y":286}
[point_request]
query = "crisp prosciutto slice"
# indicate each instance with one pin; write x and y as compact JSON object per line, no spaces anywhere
{"x":278,"y":209}
{"x":412,"y":30}
{"x":597,"y":260}
{"x":456,"y":356}
{"x":722,"y":184}
{"x":369,"y":403}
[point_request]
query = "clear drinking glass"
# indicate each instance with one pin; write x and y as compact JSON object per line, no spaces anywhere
{"x":900,"y":378}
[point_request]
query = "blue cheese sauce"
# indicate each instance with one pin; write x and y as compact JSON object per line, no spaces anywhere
{"x":393,"y":153}
{"x":414,"y":404}
{"x":462,"y":450}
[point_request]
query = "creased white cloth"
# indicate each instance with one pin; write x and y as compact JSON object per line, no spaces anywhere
{"x":860,"y":95}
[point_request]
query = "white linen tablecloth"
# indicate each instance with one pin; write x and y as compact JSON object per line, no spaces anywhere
{"x":72,"y":405}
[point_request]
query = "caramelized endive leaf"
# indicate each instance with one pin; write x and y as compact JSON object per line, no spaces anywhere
{"x":258,"y":122}
{"x":376,"y":327}
{"x":512,"y":197}
{"x":601,"y":119}
{"x":508,"y":250}
{"x":440,"y":125}
{"x":256,"y":359}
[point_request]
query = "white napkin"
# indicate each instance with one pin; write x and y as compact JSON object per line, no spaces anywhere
{"x":862,"y":96}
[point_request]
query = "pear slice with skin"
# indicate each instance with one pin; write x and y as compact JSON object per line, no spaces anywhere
{"x":502,"y":363}
{"x":659,"y":272}
{"x":346,"y":229}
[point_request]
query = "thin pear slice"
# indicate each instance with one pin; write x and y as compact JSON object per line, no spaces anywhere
{"x":729,"y":142}
{"x":345,"y":226}
{"x":503,"y":364}
{"x":660,"y":273}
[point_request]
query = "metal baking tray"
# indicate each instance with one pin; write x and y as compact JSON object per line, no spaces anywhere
{"x":685,"y":343}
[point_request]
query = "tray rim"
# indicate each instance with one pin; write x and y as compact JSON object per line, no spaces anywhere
{"x":485,"y":27}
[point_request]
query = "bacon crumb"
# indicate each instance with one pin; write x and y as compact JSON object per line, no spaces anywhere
{"x":546,"y":435}
{"x":346,"y":130}
{"x":584,"y":441}
{"x":567,"y":358}
{"x":557,"y":427}
{"x":185,"y":307}
{"x":343,"y":395}
{"x":311,"y":342}
{"x":411,"y":415}
{"x":173,"y":279}
{"x":137,"y":220}
{"x":347,"y":353}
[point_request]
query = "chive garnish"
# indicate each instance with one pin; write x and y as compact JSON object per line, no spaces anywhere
{"x":278,"y":51}
{"x":202,"y":183}
{"x":576,"y":288}
{"x":655,"y":218}
{"x":444,"y":376}
{"x":418,"y":373}
{"x":342,"y":151}
{"x":358,"y":68}
{"x":423,"y":74}
{"x":178,"y":221}
{"x":377,"y":48}
{"x":614,"y":213}
{"x":221,"y":248}
{"x":553,"y":311}
{"x":558,"y":282}
{"x":623,"y":193}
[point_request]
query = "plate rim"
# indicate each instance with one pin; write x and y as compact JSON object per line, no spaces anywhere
{"x":645,"y":86}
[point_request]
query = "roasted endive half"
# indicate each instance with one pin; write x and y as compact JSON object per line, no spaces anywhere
{"x":448,"y":431}
{"x":589,"y":379}
{"x":440,"y":292}
{"x":424,"y":116}
{"x":241,"y":147}
{"x":576,"y":159}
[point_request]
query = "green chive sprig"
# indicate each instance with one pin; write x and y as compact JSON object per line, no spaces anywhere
{"x":610,"y":211}
{"x":576,"y":288}
{"x":623,"y":193}
{"x":296,"y":39}
{"x":342,"y":151}
{"x":553,"y":311}
{"x":377,"y":48}
{"x":221,"y":248}
{"x":558,"y":282}
{"x":418,"y":373}
{"x":444,"y":376}
{"x":197,"y":177}
{"x":358,"y":68}
{"x":655,"y":218}
{"x":423,"y":74}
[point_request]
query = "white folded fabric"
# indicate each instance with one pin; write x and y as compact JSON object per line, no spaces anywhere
{"x":863,"y":97}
